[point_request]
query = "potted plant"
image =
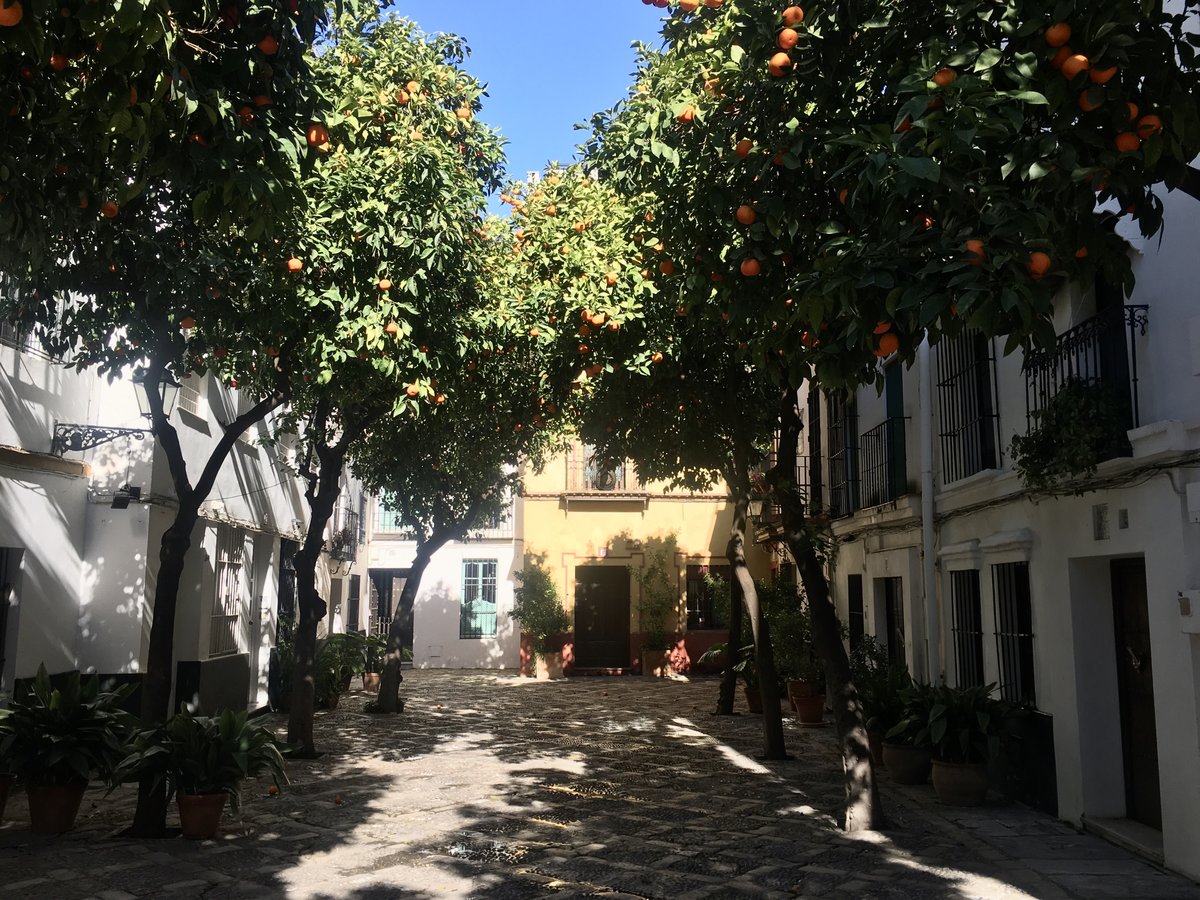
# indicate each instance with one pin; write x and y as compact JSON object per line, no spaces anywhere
{"x":880,"y":683}
{"x":375,"y":651}
{"x":657,"y":605}
{"x":348,"y":656}
{"x":327,"y":674}
{"x":540,"y":613}
{"x":906,"y":746}
{"x":744,"y":668}
{"x":799,"y":668}
{"x":54,"y":740}
{"x":964,"y":730}
{"x":204,"y":761}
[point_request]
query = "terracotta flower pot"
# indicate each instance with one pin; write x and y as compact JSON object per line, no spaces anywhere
{"x":53,"y":807}
{"x":200,"y":814}
{"x":371,"y":681}
{"x":907,"y":765}
{"x":960,"y":784}
{"x":753,"y":698}
{"x":6,"y":783}
{"x":549,"y":666}
{"x":808,"y":700}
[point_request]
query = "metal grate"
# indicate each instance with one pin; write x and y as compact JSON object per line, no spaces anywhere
{"x":967,"y":627}
{"x":843,"y":454}
{"x":589,"y":473}
{"x":477,"y":615}
{"x":227,"y":605}
{"x":702,"y":603}
{"x":816,"y":485}
{"x":882,"y":477}
{"x":389,"y":521}
{"x":1101,"y":350}
{"x":893,"y":608}
{"x":966,"y":373}
{"x":1014,"y":631}
{"x":343,"y":537}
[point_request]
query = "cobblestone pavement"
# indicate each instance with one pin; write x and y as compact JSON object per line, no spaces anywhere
{"x":492,"y":786}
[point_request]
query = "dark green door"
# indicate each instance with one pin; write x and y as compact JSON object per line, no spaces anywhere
{"x":601,"y":617}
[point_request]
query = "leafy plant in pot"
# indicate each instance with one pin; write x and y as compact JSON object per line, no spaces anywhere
{"x":964,"y":729}
{"x":907,"y":754}
{"x":348,"y":656}
{"x":791,"y":638}
{"x":658,"y":604}
{"x":542,"y":618}
{"x":204,"y":761}
{"x":744,"y":668}
{"x":56,"y":737}
{"x":376,"y":649}
{"x":880,"y":683}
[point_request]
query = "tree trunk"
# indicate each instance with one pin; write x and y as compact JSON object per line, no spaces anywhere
{"x":310,"y":605}
{"x":389,"y":682}
{"x":729,"y":676}
{"x":764,"y":656}
{"x":863,"y":809}
{"x":150,"y":818}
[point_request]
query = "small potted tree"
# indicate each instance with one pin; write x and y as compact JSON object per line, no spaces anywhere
{"x":55,"y":739}
{"x":541,"y":615}
{"x":658,"y":604}
{"x":791,"y":639}
{"x":907,"y":754}
{"x":376,"y":649}
{"x":744,"y":668}
{"x":964,"y":730}
{"x":880,"y":683}
{"x":204,"y":761}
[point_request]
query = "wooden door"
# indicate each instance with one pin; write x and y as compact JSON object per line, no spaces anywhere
{"x":1135,"y":686}
{"x":601,"y":617}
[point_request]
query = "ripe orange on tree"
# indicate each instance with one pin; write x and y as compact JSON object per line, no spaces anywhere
{"x":750,"y":267}
{"x":318,"y":135}
{"x":945,"y":77}
{"x":746,"y":214}
{"x":110,"y":209}
{"x":1102,"y":76}
{"x":294,"y":265}
{"x":1148,"y":126}
{"x":11,"y":15}
{"x":1091,"y":100}
{"x":743,"y":147}
{"x":882,"y":327}
{"x":1063,"y":54}
{"x":1074,"y":65}
{"x":688,"y":114}
{"x":793,"y":16}
{"x":976,"y":253}
{"x":187,"y":322}
{"x":58,"y":62}
{"x":666,"y":267}
{"x":1058,"y":34}
{"x":268,"y":45}
{"x":888,"y":344}
{"x":1038,"y":265}
{"x":385,"y":284}
{"x":780,"y":64}
{"x":392,"y":327}
{"x":656,"y":357}
{"x":788,"y":38}
{"x":610,"y":279}
{"x":1127,"y":142}
{"x":412,"y":390}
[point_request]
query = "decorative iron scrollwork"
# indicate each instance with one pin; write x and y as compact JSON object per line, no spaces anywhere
{"x":75,"y":438}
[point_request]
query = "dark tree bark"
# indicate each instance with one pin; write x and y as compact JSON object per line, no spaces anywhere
{"x":764,"y":655}
{"x":150,"y":817}
{"x":863,"y":809}
{"x":728,"y":675}
{"x":389,"y":680}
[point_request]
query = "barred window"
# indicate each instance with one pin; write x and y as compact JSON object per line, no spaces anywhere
{"x":227,"y":605}
{"x":967,"y":627}
{"x":967,"y":406}
{"x":856,"y":620}
{"x":477,"y":615}
{"x":843,"y":453}
{"x":705,"y":607}
{"x":1014,"y":631}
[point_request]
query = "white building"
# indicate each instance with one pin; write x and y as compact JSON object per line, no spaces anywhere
{"x":460,"y":616}
{"x":1085,"y":607}
{"x":78,"y":553}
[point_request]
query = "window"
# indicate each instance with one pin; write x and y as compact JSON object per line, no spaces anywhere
{"x":477,"y":616}
{"x":706,"y":608}
{"x":968,"y":628}
{"x":856,"y":621}
{"x":190,"y":394}
{"x":388,"y":521}
{"x":815,"y":474}
{"x":10,"y":567}
{"x":1014,"y":631}
{"x":592,"y":473}
{"x":893,"y":608}
{"x":352,"y":603}
{"x":227,"y":605}
{"x":843,"y":454}
{"x":967,"y":406}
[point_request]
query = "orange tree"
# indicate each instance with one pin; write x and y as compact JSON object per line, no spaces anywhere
{"x":859,"y":177}
{"x":149,"y":158}
{"x":391,"y":244}
{"x":558,"y":286}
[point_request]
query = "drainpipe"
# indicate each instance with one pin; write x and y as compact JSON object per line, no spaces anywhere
{"x":933,"y":659}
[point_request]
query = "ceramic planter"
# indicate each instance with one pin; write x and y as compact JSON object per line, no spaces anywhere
{"x":960,"y":784}
{"x":53,"y":807}
{"x":200,"y":814}
{"x":371,"y":681}
{"x":656,"y":663}
{"x":549,"y":666}
{"x":907,"y":765}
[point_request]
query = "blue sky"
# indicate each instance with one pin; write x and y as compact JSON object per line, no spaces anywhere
{"x":548,"y":64}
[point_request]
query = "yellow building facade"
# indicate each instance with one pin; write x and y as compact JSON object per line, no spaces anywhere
{"x":597,"y":528}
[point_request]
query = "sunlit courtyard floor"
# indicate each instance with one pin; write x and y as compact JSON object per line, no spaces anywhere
{"x":492,"y":786}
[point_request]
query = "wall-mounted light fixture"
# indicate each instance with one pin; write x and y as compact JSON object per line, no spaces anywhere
{"x":125,"y":495}
{"x":75,"y":437}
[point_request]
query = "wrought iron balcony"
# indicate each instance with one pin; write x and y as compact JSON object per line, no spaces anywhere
{"x":592,"y":475}
{"x":1100,"y":351}
{"x":343,"y":542}
{"x":883,"y":474}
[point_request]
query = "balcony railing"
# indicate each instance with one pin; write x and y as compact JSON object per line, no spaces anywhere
{"x":882,"y":469}
{"x":1100,"y":351}
{"x":591,"y":475}
{"x":343,"y":542}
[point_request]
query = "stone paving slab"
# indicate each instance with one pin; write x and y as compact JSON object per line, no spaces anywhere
{"x":492,"y":786}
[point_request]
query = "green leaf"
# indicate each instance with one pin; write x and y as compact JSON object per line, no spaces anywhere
{"x":920,"y":167}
